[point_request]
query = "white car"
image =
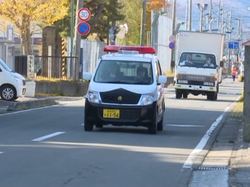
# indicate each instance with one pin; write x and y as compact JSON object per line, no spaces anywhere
{"x":12,"y":84}
{"x":117,"y":96}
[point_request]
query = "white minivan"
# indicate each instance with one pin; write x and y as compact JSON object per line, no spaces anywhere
{"x":12,"y":84}
{"x":126,"y":89}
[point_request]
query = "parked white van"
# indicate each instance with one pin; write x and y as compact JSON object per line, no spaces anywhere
{"x":12,"y":84}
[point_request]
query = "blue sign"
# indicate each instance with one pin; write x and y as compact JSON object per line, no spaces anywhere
{"x":171,"y":45}
{"x":83,"y":28}
{"x":233,"y":45}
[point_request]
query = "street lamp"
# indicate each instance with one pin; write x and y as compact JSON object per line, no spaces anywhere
{"x":202,"y":7}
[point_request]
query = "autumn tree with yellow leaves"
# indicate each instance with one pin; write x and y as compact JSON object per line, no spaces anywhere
{"x":28,"y":15}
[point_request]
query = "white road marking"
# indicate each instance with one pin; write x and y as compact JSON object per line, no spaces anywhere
{"x":32,"y":109}
{"x":1,"y":152}
{"x":47,"y":136}
{"x":195,"y":153}
{"x":182,"y":125}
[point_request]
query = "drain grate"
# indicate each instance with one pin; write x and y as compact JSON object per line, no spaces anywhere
{"x":212,"y":168}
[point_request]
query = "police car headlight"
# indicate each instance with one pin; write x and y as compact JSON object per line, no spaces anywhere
{"x":147,"y":99}
{"x":93,"y":97}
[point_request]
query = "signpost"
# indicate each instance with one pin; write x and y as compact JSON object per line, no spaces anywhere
{"x":84,"y":14}
{"x":83,"y":27}
{"x":171,"y":45}
{"x":233,"y":45}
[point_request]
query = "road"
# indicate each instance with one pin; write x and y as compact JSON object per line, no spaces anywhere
{"x":48,"y":147}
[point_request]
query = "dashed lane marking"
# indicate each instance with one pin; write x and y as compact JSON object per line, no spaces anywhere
{"x":47,"y":136}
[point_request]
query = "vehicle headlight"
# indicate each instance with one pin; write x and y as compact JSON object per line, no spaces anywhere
{"x":148,"y":99}
{"x":93,"y":97}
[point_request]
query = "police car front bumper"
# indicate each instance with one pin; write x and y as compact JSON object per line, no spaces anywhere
{"x":120,"y":115}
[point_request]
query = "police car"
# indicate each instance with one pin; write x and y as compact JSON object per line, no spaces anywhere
{"x":126,"y":89}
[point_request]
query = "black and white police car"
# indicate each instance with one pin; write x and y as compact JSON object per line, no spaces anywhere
{"x":118,"y":94}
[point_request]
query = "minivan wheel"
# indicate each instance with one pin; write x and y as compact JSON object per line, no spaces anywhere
{"x":8,"y":93}
{"x":88,"y":126}
{"x":160,"y":125}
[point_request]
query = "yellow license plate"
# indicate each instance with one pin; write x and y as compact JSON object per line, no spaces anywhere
{"x":111,"y":113}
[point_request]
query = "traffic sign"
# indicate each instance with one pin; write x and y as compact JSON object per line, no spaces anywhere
{"x":171,"y":38}
{"x":83,"y":28}
{"x":84,"y":14}
{"x":233,"y":45}
{"x":171,"y":45}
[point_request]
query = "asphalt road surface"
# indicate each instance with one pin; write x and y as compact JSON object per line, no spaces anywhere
{"x":48,"y":147}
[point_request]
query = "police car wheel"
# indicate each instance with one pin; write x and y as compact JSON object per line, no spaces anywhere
{"x":8,"y":93}
{"x":160,"y":125}
{"x":88,"y":126}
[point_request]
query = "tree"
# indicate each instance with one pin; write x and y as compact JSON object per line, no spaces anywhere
{"x":30,"y":15}
{"x":103,"y":12}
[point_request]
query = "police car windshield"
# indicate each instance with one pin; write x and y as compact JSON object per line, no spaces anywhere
{"x":198,"y":60}
{"x":124,"y":72}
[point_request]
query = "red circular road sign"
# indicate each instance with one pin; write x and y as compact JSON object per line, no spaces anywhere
{"x":171,"y":45}
{"x":84,"y":14}
{"x":83,"y":28}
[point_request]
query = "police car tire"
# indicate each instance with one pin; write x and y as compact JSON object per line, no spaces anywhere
{"x":160,"y":125}
{"x":12,"y":89}
{"x":88,"y":126}
{"x":185,"y":95}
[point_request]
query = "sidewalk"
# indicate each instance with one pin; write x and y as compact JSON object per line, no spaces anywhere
{"x":227,"y":163}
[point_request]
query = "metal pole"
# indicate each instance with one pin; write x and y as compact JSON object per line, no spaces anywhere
{"x":77,"y":42}
{"x":187,"y":9}
{"x":210,"y":15}
{"x":218,"y":17}
{"x":173,"y":33}
{"x":201,"y":18}
{"x":71,"y":35}
{"x":143,"y":22}
{"x":190,"y":16}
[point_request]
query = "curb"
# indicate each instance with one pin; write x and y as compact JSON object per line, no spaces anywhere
{"x":14,"y":106}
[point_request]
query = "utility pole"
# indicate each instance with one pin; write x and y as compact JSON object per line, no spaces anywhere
{"x":72,"y":35}
{"x":218,"y":16}
{"x":77,"y":43}
{"x":173,"y":33}
{"x":143,"y":25}
{"x":246,"y":107}
{"x":210,"y":15}
{"x":190,"y":16}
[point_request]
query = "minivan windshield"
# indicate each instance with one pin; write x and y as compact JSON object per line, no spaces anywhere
{"x":125,"y":72}
{"x":198,"y":60}
{"x":5,"y":66}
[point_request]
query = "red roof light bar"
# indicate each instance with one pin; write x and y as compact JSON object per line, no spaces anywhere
{"x":140,"y":49}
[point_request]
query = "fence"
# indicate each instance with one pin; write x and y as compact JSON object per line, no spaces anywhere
{"x":63,"y":67}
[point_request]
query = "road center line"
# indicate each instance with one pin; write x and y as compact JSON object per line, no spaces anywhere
{"x":47,"y":136}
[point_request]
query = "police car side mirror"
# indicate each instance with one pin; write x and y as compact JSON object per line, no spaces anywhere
{"x":87,"y":76}
{"x":162,"y":79}
{"x":221,"y":64}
